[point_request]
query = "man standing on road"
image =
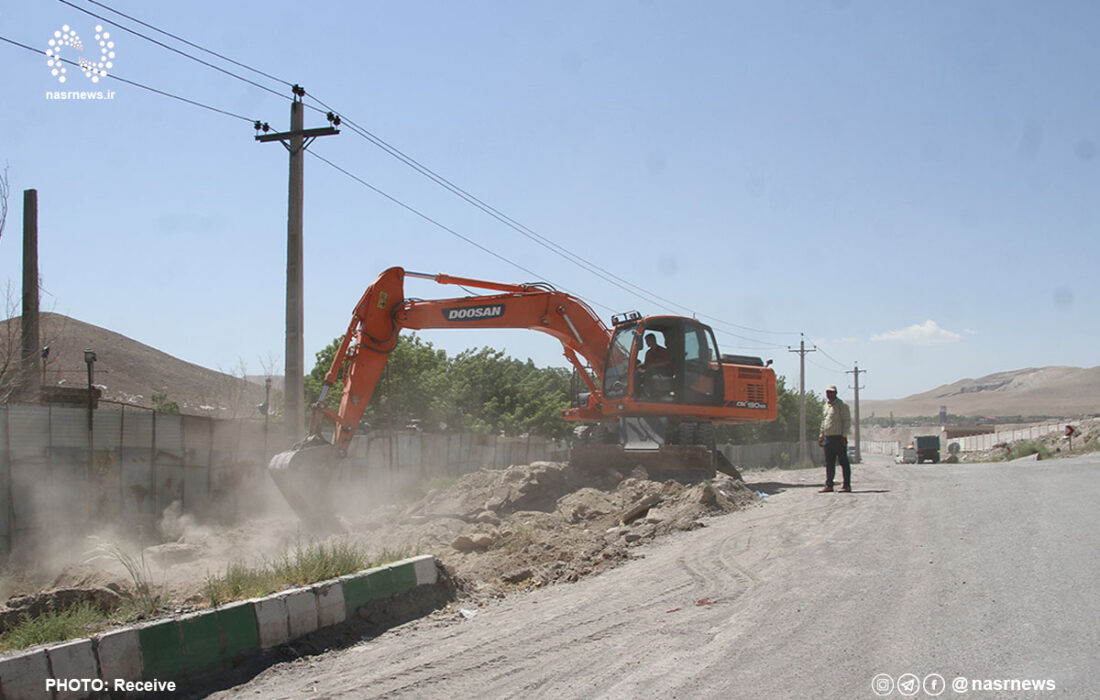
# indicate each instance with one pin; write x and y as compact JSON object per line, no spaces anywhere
{"x":834,"y":438}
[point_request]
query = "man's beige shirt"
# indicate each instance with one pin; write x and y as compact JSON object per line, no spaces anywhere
{"x":837,"y":420}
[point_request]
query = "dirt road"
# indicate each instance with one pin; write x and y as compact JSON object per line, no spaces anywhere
{"x":986,"y":572}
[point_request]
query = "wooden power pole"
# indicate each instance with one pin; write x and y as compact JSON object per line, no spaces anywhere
{"x":296,"y":141}
{"x":31,"y":353}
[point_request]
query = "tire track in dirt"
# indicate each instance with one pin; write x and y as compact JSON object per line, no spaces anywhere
{"x":636,"y":629}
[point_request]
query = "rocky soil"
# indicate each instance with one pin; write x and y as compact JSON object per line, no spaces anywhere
{"x":495,"y":531}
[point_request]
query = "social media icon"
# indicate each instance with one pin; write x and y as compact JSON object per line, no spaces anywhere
{"x":882,"y":684}
{"x":908,"y":684}
{"x":960,"y":685}
{"x":934,"y":684}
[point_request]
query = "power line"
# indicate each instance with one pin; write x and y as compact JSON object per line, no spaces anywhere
{"x":191,"y":44}
{"x":136,"y":84}
{"x":823,"y":368}
{"x":422,"y":215}
{"x":375,"y":189}
{"x":547,"y":243}
{"x":838,"y":362}
{"x":496,"y":214}
{"x":541,"y":240}
{"x":171,"y":48}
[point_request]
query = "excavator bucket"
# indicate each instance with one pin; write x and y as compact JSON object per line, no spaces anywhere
{"x":302,"y":474}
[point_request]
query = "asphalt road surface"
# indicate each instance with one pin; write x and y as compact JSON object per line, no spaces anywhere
{"x":981,"y":572}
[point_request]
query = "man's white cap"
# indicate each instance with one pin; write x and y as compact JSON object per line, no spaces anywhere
{"x":831,"y":387}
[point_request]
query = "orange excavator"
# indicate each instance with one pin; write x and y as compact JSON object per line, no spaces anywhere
{"x":656,"y":385}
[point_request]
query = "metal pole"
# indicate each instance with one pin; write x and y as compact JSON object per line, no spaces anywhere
{"x":89,"y":359}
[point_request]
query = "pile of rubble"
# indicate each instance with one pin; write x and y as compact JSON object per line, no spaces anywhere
{"x":547,"y":522}
{"x":495,"y":531}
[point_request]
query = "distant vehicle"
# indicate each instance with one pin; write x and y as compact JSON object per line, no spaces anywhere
{"x":927,"y":448}
{"x":853,"y":454}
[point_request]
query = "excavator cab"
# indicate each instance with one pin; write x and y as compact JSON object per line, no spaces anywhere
{"x":665,"y":385}
{"x":664,"y":360}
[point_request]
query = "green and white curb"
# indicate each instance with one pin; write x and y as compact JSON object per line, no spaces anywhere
{"x":153,"y":657}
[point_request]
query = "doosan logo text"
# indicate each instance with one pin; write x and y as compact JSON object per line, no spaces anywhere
{"x":470,"y":313}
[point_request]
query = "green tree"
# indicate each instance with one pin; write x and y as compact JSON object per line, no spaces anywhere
{"x":499,"y":394}
{"x":478,"y":390}
{"x":161,"y":404}
{"x":412,"y":386}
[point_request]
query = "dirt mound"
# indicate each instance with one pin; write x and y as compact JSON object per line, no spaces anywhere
{"x":548,"y":522}
{"x":18,"y":607}
{"x":494,"y":530}
{"x":86,"y":575}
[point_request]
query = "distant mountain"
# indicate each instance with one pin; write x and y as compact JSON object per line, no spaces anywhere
{"x":130,"y":372}
{"x":1042,"y":391}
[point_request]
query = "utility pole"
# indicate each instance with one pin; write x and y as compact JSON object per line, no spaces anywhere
{"x":296,"y":141}
{"x":802,"y":397}
{"x":31,"y":353}
{"x":857,"y":371}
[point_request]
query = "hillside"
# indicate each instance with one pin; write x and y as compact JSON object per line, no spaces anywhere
{"x":131,"y":372}
{"x":1041,"y":391}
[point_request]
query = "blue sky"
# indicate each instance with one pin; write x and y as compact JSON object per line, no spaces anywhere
{"x":912,"y":185}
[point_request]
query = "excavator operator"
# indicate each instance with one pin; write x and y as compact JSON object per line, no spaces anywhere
{"x":656,"y":368}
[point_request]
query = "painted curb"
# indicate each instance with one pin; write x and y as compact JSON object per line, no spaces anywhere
{"x":24,"y":675}
{"x":273,"y":622}
{"x":119,"y":654}
{"x":301,"y":610}
{"x":74,"y":659}
{"x":331,"y":609}
{"x":202,"y":643}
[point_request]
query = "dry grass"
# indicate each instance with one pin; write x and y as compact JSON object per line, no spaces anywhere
{"x":301,"y":566}
{"x":55,"y":626}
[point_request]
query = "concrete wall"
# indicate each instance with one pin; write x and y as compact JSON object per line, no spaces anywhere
{"x":57,"y":478}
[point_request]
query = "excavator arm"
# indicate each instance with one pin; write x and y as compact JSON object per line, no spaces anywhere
{"x":302,"y":473}
{"x":383,"y":312}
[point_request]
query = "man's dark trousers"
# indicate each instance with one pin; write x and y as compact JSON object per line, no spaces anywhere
{"x":835,"y":448}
